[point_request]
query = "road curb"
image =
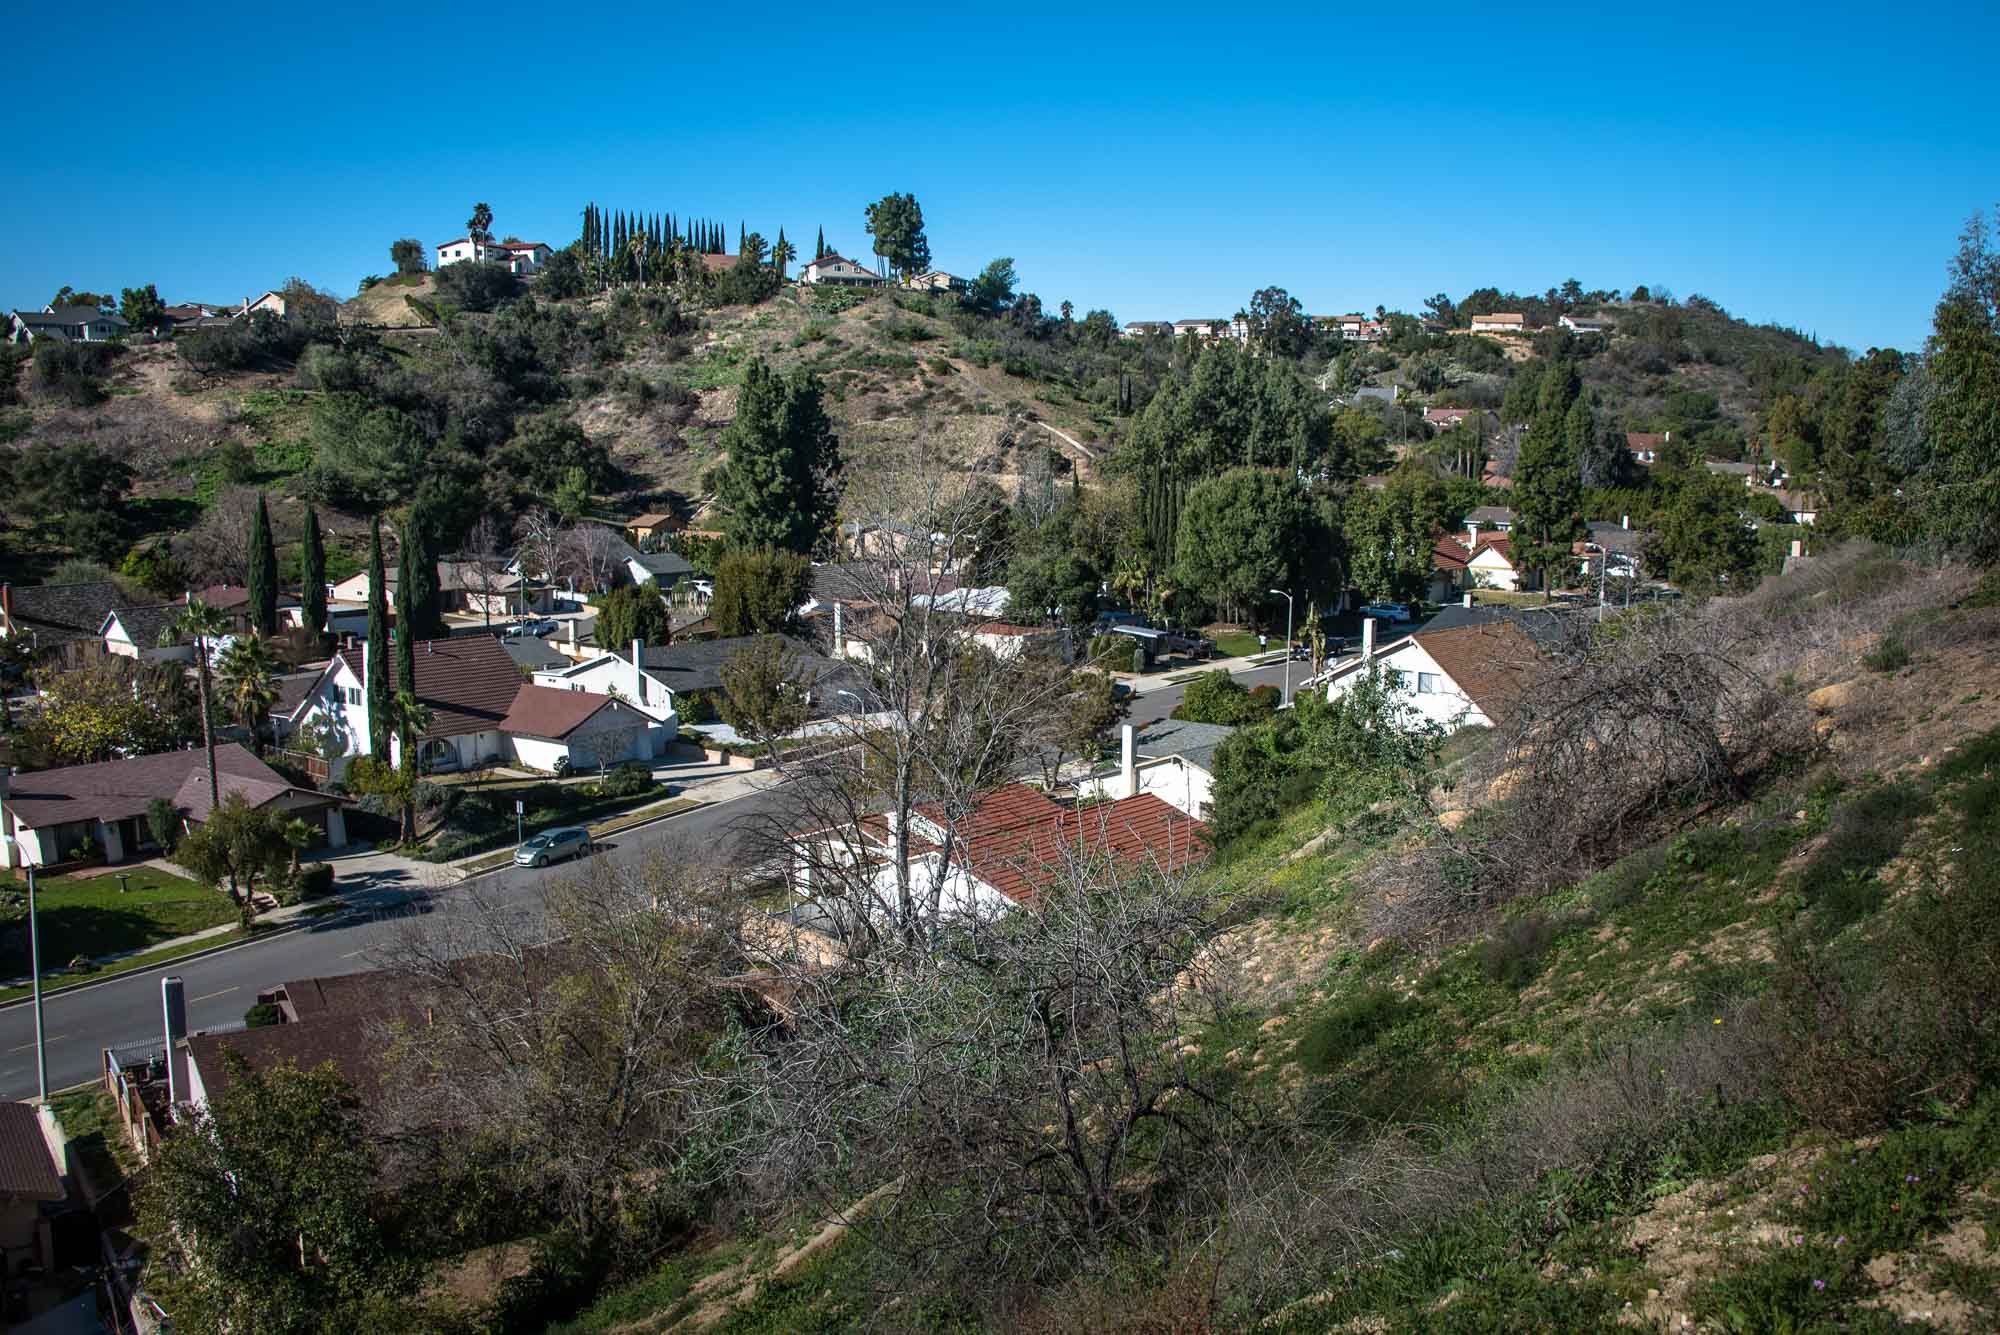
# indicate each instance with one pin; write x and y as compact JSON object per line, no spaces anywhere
{"x":123,"y":975}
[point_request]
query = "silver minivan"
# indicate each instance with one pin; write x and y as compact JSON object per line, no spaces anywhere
{"x":565,"y":841}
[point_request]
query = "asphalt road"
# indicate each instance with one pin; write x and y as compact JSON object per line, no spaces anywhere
{"x":1156,"y":705}
{"x":220,"y":987}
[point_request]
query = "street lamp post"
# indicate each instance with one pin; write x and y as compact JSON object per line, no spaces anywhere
{"x":35,"y":968}
{"x":1288,"y":642}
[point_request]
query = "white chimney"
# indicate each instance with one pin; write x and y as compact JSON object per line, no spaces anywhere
{"x":1468,"y":598}
{"x":571,"y":623}
{"x":174,"y":1021}
{"x":1798,"y":550}
{"x":839,"y":631}
{"x":1625,"y":521}
{"x":1128,"y":766}
{"x":638,"y":677}
{"x":1367,"y":638}
{"x":1471,"y":534}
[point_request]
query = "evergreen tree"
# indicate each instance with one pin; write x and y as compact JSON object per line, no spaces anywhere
{"x":740,"y":234}
{"x":1548,"y":485}
{"x":819,"y":246}
{"x":378,"y":647}
{"x":263,"y":573}
{"x":312,"y":576}
{"x":419,"y":604}
{"x":784,"y":462}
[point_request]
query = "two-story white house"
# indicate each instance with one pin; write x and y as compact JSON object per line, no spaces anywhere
{"x":1500,"y":323}
{"x":522,"y":258}
{"x":1466,"y":675}
{"x":839,"y":271}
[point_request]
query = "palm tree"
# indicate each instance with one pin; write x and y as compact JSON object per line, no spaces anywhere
{"x":202,"y":624}
{"x":249,"y":672}
{"x":299,"y":834}
{"x":782,"y":254}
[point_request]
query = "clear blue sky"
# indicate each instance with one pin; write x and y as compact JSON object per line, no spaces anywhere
{"x":1809,"y":165}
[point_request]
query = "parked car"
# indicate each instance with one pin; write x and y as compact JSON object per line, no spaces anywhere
{"x":533,"y":626}
{"x":1387,"y":612}
{"x":1107,"y":621}
{"x":566,"y":841}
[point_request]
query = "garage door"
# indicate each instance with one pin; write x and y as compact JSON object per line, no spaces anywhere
{"x":603,"y":748}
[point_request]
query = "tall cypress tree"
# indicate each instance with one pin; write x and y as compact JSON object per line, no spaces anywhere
{"x":819,"y":246}
{"x":741,"y":236}
{"x":312,"y":576}
{"x":418,"y":601}
{"x":378,"y":647}
{"x":263,"y":573}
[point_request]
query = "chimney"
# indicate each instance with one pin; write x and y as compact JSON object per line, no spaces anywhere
{"x":638,"y":677}
{"x":7,"y":602}
{"x":1625,"y":521}
{"x":1367,"y":639}
{"x":1471,"y":534}
{"x":1468,"y":599}
{"x":571,"y":623}
{"x":839,"y":631}
{"x":1128,"y":768}
{"x":1798,"y":550}
{"x":174,"y":1019}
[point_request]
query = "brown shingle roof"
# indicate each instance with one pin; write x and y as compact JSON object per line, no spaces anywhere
{"x":56,"y":613}
{"x":27,"y":1170}
{"x":468,"y":683}
{"x":122,"y":789}
{"x":1490,"y":663}
{"x":552,"y":713}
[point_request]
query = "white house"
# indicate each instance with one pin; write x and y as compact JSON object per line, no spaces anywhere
{"x":627,"y":679}
{"x":1174,"y":760}
{"x":1463,"y":676}
{"x":1007,"y":641}
{"x":1580,"y":325}
{"x":937,"y":280}
{"x":1491,"y":565}
{"x":48,"y":815}
{"x":66,"y":324}
{"x":467,"y":685}
{"x":1000,"y":854}
{"x":135,"y":632}
{"x":522,"y":258}
{"x":1199,"y":328}
{"x":838,"y":271}
{"x":1498,"y":323}
{"x":547,"y":729}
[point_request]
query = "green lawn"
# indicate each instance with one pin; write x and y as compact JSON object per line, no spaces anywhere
{"x":1237,"y":643}
{"x":91,"y":917}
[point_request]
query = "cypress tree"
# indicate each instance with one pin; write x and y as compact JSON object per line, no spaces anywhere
{"x":312,"y":576}
{"x":819,"y":246}
{"x":263,"y":573}
{"x":378,"y":647}
{"x":418,"y":603}
{"x":741,"y":236}
{"x":407,"y":614}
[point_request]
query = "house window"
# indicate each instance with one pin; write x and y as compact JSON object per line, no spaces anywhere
{"x":1427,"y":683}
{"x":353,"y":694}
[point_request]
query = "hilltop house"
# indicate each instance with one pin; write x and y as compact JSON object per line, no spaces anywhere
{"x":1002,"y":853}
{"x":521,"y":258}
{"x":66,"y":324}
{"x":47,"y":814}
{"x":1499,"y":323}
{"x":838,"y":271}
{"x":1645,"y":446}
{"x":937,"y":280}
{"x":1145,"y":328}
{"x":1577,"y":324}
{"x":1461,"y":676}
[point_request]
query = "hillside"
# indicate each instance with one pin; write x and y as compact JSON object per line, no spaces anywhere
{"x":1731,"y":1072}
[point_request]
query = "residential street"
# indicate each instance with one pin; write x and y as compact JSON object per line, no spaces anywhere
{"x":221,"y":987}
{"x":1153,"y":705}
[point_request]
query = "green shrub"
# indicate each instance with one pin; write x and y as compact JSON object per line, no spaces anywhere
{"x":315,"y":881}
{"x":628,"y":780}
{"x":1513,"y":954}
{"x":1890,"y":654}
{"x":1840,"y":883}
{"x":262,"y":1014}
{"x":1335,"y":1035}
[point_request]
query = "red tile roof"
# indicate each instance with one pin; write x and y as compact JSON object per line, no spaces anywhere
{"x":27,"y":1170}
{"x":468,"y":684}
{"x":1136,"y":831}
{"x":1449,"y":554}
{"x":551,"y":713}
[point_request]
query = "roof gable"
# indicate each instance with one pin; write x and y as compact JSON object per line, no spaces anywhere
{"x":552,"y":713}
{"x":467,"y":683}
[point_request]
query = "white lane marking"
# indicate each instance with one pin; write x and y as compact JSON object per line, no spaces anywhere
{"x":50,"y":1039}
{"x":208,"y":996}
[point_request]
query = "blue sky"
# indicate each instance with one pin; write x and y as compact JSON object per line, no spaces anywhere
{"x":1810,"y":165}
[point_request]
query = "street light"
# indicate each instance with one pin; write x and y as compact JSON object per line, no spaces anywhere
{"x":35,"y":968}
{"x":1288,"y":642}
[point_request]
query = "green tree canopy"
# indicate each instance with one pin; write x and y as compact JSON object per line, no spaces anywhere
{"x":759,"y":591}
{"x":1241,"y":534}
{"x":633,"y":612}
{"x":780,"y":484}
{"x":263,"y":581}
{"x":896,"y":222}
{"x":1039,"y":581}
{"x":408,"y":255}
{"x":142,"y":307}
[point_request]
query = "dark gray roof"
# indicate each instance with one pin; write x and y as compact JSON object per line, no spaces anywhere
{"x":144,"y":625}
{"x":1615,"y":538}
{"x":58,"y":613}
{"x":534,"y":654}
{"x":1490,"y":514}
{"x":696,"y":665}
{"x":1192,"y":742}
{"x":1544,"y":625}
{"x":664,"y":566}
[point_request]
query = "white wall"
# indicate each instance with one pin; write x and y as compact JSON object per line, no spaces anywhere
{"x":610,"y":674}
{"x":1490,"y":570}
{"x":1444,"y":704}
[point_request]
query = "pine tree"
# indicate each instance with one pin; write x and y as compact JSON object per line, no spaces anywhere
{"x":312,"y":576}
{"x":784,"y":458}
{"x":378,"y":647}
{"x":263,"y":573}
{"x":819,"y":246}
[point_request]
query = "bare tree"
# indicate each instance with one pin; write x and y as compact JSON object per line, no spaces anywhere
{"x":483,"y":565}
{"x":564,"y":1037}
{"x":217,"y":549}
{"x":539,"y":538}
{"x":1028,"y":1086}
{"x":933,"y":721}
{"x":594,"y":555}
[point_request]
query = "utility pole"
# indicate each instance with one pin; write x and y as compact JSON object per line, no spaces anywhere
{"x":35,"y":967}
{"x":1288,"y":643}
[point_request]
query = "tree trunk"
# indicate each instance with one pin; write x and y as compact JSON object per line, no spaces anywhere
{"x":208,"y":724}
